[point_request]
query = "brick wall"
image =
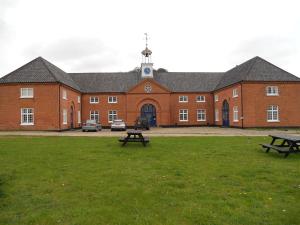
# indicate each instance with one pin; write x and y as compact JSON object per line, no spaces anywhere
{"x":44,"y":103}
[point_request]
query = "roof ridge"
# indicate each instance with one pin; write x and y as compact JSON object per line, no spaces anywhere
{"x":53,"y":75}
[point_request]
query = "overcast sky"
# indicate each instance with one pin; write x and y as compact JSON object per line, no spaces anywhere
{"x":186,"y":35}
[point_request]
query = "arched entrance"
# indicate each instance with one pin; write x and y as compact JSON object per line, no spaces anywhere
{"x":149,"y":111}
{"x":225,"y":113}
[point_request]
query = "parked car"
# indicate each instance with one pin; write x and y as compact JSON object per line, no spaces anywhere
{"x":118,"y":124}
{"x":91,"y":125}
{"x":142,"y":123}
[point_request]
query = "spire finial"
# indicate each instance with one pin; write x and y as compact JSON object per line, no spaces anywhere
{"x":146,"y":35}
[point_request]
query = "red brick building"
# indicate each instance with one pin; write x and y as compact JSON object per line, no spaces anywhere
{"x":40,"y":96}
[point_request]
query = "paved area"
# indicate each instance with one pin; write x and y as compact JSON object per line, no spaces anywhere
{"x":187,"y":131}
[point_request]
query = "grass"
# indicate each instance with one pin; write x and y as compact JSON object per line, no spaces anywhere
{"x":186,"y":180}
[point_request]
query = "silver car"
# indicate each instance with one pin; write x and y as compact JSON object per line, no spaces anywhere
{"x":118,"y":124}
{"x":91,"y":125}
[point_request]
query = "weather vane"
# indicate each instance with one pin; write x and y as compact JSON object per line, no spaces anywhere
{"x":146,"y":34}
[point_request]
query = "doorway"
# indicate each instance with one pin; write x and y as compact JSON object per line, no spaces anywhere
{"x":225,"y":114}
{"x":149,"y":111}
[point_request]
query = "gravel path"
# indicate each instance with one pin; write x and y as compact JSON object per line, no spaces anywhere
{"x":187,"y":131}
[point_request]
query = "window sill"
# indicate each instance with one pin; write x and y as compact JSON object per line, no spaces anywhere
{"x":272,"y":95}
{"x":273,"y":121}
{"x":112,"y":102}
{"x":26,"y":97}
{"x":94,"y":102}
{"x":235,"y":96}
{"x":183,"y":102}
{"x":235,"y":121}
{"x":183,"y":121}
{"x":65,"y":123}
{"x":27,"y":124}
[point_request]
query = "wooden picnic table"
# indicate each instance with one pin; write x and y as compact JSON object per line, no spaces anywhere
{"x":134,"y":136}
{"x":288,"y":144}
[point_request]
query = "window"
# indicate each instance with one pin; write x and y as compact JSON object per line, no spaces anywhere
{"x":216,"y":98}
{"x":94,"y":100}
{"x":94,"y":115}
{"x":64,"y":94}
{"x":235,"y":93}
{"x":183,"y":115}
{"x":183,"y":98}
{"x":112,"y":99}
{"x":216,"y":115}
{"x":27,"y":116}
{"x":26,"y":92}
{"x":112,"y":115}
{"x":273,"y":113}
{"x":65,"y":116}
{"x":201,"y":115}
{"x":78,"y":99}
{"x":79,"y":117}
{"x":272,"y":91}
{"x":200,"y":98}
{"x":235,"y":114}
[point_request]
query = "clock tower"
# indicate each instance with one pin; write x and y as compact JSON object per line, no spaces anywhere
{"x":147,"y":65}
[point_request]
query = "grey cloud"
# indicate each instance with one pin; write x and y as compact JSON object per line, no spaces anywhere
{"x":275,"y":48}
{"x":76,"y":53}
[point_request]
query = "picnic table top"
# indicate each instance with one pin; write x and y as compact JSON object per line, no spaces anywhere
{"x":286,"y":137}
{"x":134,"y":132}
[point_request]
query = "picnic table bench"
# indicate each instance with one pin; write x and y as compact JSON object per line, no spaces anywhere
{"x":134,"y":136}
{"x":289,"y":144}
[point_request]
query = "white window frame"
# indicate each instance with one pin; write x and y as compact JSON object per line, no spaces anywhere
{"x":112,"y":99}
{"x":273,"y":110}
{"x":272,"y":91}
{"x":235,"y":114}
{"x":183,"y":115}
{"x":94,"y":115}
{"x":64,"y":94}
{"x":25,"y":93}
{"x":217,"y":115}
{"x":25,"y":122}
{"x":216,"y":98}
{"x":78,"y":99}
{"x":183,"y":98}
{"x":200,"y":98}
{"x":94,"y":99}
{"x":235,"y":93}
{"x":112,"y":115}
{"x":202,"y":114}
{"x":65,"y":116}
{"x":78,"y":116}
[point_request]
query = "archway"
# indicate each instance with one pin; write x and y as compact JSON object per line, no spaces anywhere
{"x":149,"y":111}
{"x":225,"y":113}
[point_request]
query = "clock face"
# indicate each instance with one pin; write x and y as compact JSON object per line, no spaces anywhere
{"x":147,"y":70}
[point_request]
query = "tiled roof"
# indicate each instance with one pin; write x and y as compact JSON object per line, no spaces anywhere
{"x":255,"y":69}
{"x":41,"y":71}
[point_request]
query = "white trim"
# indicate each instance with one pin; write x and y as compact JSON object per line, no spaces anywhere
{"x":235,"y":93}
{"x":235,"y":114}
{"x":65,"y":116}
{"x":274,"y":91}
{"x":200,"y":98}
{"x":183,"y":98}
{"x":201,"y":120}
{"x":78,"y":116}
{"x":216,"y":97}
{"x":114,"y":114}
{"x":78,"y":99}
{"x":271,"y":109}
{"x":217,"y":115}
{"x":23,"y":123}
{"x":26,"y":90}
{"x":64,"y":94}
{"x":95,"y":114}
{"x":112,"y":99}
{"x":184,"y":113}
{"x":94,"y":98}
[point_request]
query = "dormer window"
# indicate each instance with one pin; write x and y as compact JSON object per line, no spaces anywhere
{"x":272,"y":91}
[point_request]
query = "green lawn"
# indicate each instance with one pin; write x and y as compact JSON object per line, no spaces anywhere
{"x":186,"y":180}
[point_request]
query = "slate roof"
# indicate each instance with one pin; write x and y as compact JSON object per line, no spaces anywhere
{"x":41,"y":71}
{"x":255,"y":69}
